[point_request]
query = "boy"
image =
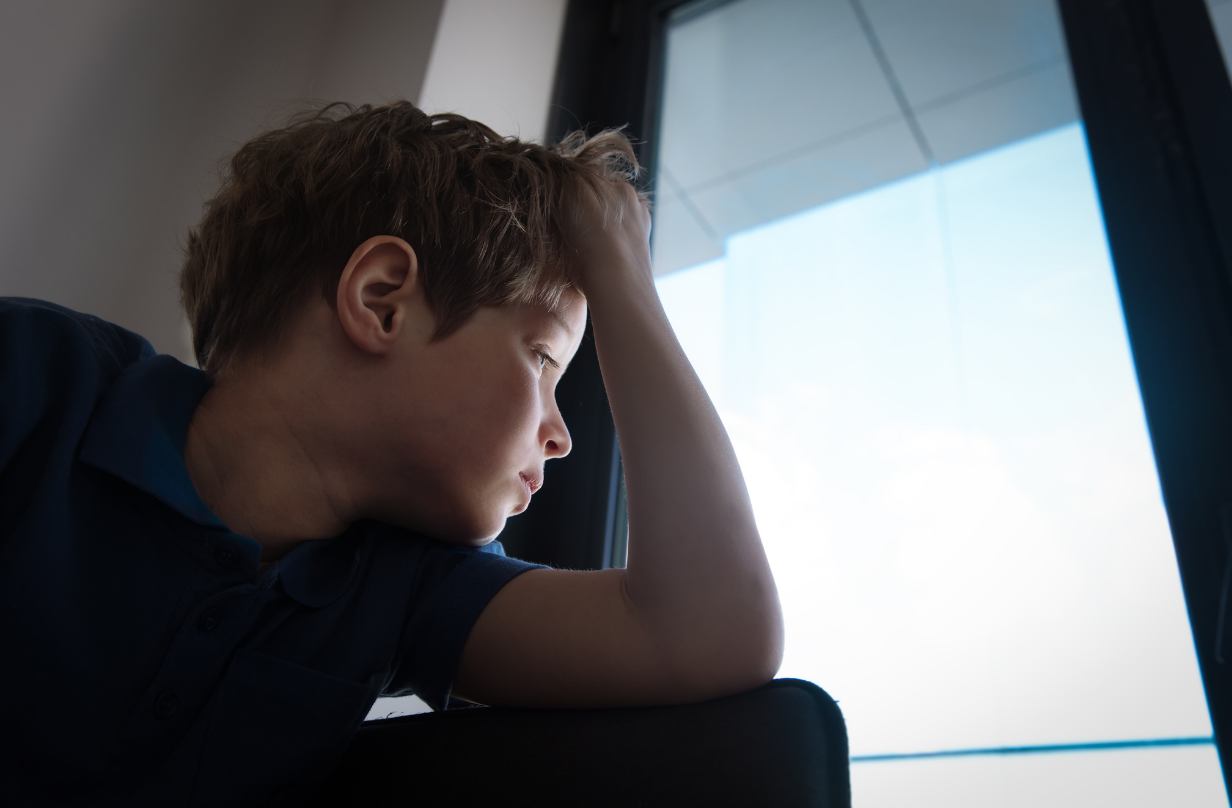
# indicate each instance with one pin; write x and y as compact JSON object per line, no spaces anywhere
{"x":209,"y":576}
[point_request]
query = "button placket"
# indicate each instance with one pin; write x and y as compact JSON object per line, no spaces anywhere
{"x":190,"y":670}
{"x":166,"y":704}
{"x":226,"y":556}
{"x":209,"y":619}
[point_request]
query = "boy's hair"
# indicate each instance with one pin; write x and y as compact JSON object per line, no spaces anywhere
{"x":481,"y":212}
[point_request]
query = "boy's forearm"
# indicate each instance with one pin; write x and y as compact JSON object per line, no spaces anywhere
{"x":697,"y":576}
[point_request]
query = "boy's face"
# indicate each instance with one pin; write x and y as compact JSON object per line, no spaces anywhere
{"x":475,"y":419}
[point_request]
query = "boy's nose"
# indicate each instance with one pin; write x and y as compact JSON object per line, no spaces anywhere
{"x":557,"y":441}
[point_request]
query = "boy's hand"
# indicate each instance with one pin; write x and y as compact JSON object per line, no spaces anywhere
{"x":696,"y":614}
{"x":607,"y":234}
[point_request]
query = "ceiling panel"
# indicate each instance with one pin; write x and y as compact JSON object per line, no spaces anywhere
{"x":776,"y":106}
{"x":757,"y":79}
{"x":994,"y":116}
{"x":678,"y":238}
{"x":941,"y":47}
{"x":807,"y":180}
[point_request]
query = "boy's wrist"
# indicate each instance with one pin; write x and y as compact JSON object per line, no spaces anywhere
{"x":617,"y":283}
{"x":621,"y":264}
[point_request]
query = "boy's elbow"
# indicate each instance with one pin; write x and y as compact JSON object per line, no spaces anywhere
{"x":746,"y":653}
{"x":728,"y":640}
{"x":758,"y":654}
{"x":752,"y":622}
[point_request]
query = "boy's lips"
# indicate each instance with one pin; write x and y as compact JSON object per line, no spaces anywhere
{"x":532,"y":484}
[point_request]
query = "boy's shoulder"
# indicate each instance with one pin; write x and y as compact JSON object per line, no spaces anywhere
{"x":55,"y":365}
{"x":41,"y":329}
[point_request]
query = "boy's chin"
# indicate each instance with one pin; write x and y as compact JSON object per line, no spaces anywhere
{"x":477,"y":532}
{"x":465,"y":525}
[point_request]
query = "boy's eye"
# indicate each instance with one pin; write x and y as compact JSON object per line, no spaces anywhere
{"x":545,"y":359}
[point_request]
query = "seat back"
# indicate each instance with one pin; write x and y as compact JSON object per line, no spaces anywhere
{"x":784,"y":744}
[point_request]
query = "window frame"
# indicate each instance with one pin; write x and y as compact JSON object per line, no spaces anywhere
{"x":1156,"y":103}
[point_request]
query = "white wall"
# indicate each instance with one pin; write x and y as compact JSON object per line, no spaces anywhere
{"x":494,"y":61}
{"x":114,"y":115}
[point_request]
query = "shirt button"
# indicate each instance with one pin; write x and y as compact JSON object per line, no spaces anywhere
{"x":166,"y":704}
{"x":209,"y":619}
{"x":225,"y":555}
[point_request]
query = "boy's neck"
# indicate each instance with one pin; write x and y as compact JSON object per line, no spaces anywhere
{"x":253,"y":467}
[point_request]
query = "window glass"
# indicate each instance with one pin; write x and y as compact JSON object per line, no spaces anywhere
{"x":1221,"y":18}
{"x":878,"y":239}
{"x":1178,"y":776}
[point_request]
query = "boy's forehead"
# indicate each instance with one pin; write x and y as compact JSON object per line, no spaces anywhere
{"x":563,"y":323}
{"x":571,"y":326}
{"x":569,"y":314}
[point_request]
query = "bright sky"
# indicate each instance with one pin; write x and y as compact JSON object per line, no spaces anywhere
{"x":931,"y":394}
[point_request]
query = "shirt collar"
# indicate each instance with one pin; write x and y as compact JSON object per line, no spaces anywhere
{"x":318,"y":572}
{"x":138,"y":428}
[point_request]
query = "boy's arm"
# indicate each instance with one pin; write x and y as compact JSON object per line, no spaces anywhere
{"x":696,"y":614}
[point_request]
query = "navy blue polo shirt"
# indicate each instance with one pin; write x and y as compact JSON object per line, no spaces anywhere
{"x":145,"y":658}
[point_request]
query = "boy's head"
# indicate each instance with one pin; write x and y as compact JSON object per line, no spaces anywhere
{"x":480,"y":211}
{"x":397,"y":284}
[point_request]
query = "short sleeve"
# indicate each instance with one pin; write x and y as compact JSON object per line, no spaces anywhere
{"x":457,"y":586}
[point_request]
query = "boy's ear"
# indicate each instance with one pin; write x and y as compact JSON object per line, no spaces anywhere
{"x":376,"y":291}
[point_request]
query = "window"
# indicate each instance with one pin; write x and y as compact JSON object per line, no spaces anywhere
{"x":1221,"y":18}
{"x":878,"y":237}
